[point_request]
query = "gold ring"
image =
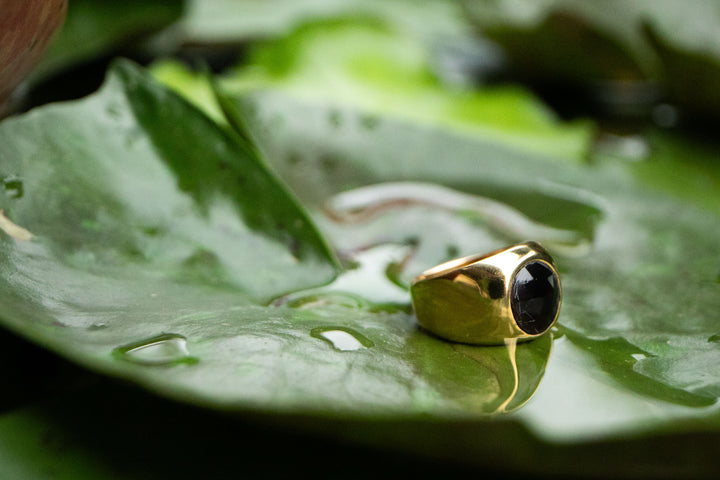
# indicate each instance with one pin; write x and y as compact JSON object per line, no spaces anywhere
{"x":512,"y":294}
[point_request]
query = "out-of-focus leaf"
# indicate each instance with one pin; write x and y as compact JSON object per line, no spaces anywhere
{"x":100,"y":27}
{"x":564,"y":40}
{"x":692,"y":72}
{"x":194,"y":86}
{"x":383,"y":73}
{"x":102,"y":430}
{"x":674,"y":43}
{"x":225,"y":21}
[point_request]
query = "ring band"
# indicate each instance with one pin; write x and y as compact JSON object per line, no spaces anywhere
{"x":512,"y":293}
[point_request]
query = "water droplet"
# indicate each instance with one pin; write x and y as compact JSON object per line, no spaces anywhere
{"x":639,"y":356}
{"x":13,"y":187}
{"x":342,"y":338}
{"x":372,"y":289}
{"x":342,"y":299}
{"x":165,"y":349}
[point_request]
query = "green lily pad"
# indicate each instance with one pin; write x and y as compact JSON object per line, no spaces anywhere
{"x":621,"y":246}
{"x":371,"y":67}
{"x":379,"y":70}
{"x":148,"y":241}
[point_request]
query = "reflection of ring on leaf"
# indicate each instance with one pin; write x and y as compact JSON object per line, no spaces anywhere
{"x":512,"y":294}
{"x":487,"y":380}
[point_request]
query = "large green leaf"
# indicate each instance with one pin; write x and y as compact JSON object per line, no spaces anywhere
{"x":143,"y":235}
{"x":100,"y":27}
{"x":617,"y":249}
{"x":383,"y":72}
{"x":631,"y":247}
{"x":94,"y":300}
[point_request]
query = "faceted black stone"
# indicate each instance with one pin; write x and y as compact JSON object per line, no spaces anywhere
{"x":534,"y":297}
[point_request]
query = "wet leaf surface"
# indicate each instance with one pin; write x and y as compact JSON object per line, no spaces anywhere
{"x":613,"y":280}
{"x":157,"y":246}
{"x":607,"y":224}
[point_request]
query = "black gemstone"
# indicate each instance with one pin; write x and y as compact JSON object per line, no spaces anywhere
{"x":534,"y":297}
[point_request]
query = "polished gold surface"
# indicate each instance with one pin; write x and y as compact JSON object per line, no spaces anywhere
{"x":468,"y":299}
